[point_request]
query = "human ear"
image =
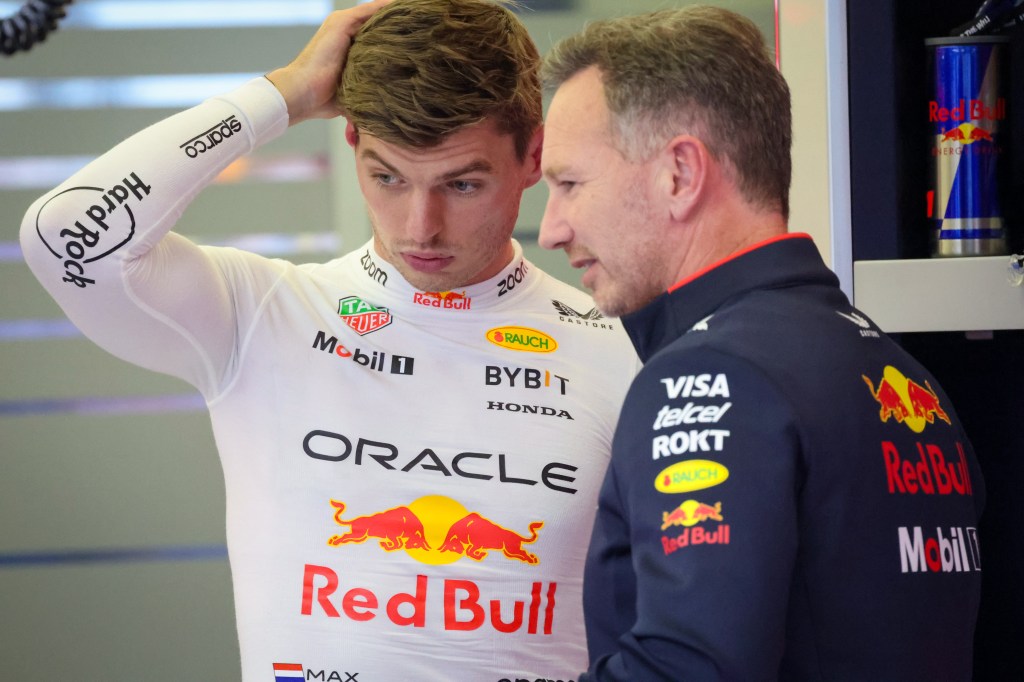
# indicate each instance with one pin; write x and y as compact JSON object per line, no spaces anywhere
{"x":351,"y":135}
{"x":688,"y":163}
{"x":533,"y":154}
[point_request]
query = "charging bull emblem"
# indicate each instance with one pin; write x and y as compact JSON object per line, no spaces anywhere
{"x":397,"y":528}
{"x":436,"y":530}
{"x":474,"y":536}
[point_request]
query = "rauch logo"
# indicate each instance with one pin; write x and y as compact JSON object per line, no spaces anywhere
{"x":693,"y":474}
{"x":522,"y":339}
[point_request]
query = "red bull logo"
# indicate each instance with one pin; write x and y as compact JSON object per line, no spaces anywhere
{"x":905,"y":400}
{"x":932,"y":473}
{"x":448,"y":300}
{"x":463,"y":606}
{"x":953,"y":135}
{"x":961,"y":136}
{"x":967,"y":110}
{"x":397,"y":528}
{"x":979,"y":134}
{"x":690,"y":513}
{"x":436,"y":530}
{"x":474,"y":536}
{"x":361,"y":316}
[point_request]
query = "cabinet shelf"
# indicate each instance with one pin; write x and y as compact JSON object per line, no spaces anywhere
{"x":939,"y":294}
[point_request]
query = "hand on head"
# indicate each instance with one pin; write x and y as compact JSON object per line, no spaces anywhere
{"x":308,"y":84}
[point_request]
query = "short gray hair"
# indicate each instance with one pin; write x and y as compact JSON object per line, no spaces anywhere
{"x":700,"y":70}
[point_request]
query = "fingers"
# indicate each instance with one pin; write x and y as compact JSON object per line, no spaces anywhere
{"x":332,"y":40}
{"x":308,"y":84}
{"x":341,"y":26}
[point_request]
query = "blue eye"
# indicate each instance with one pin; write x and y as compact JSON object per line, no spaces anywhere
{"x":385,"y":179}
{"x":464,"y":186}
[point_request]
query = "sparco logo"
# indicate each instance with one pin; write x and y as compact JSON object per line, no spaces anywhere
{"x":328,"y":446}
{"x":208,"y":139}
{"x":105,"y":224}
{"x":373,"y":270}
{"x":524,"y":377}
{"x":527,"y":409}
{"x":956,"y":553}
{"x":400,"y":364}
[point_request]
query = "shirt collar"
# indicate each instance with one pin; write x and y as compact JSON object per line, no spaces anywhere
{"x":785,"y":260}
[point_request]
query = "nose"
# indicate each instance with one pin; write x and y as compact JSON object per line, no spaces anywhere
{"x":555,"y":232}
{"x":425,"y":219}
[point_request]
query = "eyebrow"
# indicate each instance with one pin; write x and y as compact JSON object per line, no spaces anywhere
{"x":477,"y":166}
{"x":551,"y":172}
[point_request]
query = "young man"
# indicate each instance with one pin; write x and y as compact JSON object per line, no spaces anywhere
{"x":790,"y":495}
{"x":413,"y":435}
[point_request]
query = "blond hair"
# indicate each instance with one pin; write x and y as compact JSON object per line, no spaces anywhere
{"x":420,"y":70}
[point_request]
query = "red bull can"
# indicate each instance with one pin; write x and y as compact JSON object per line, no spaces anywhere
{"x":967,"y":120}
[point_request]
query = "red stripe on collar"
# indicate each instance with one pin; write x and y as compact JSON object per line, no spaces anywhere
{"x":733,"y":256}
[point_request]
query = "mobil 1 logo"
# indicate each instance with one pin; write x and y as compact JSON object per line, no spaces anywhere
{"x":375,"y":360}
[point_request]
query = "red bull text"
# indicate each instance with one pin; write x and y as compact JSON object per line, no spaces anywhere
{"x":966,"y":114}
{"x":689,"y":514}
{"x":930,"y":473}
{"x":448,"y":300}
{"x":464,"y":607}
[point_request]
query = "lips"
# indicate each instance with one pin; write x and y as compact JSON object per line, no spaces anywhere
{"x":585,"y":264}
{"x":582,"y":262}
{"x":427,"y":262}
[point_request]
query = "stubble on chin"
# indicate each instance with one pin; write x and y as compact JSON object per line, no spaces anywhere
{"x":622,"y":298}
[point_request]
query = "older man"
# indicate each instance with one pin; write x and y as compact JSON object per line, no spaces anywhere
{"x":790,"y":495}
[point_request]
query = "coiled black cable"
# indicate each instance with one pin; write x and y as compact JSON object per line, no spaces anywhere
{"x":30,"y":24}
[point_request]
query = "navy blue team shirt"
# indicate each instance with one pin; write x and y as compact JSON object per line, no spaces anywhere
{"x":791,"y":495}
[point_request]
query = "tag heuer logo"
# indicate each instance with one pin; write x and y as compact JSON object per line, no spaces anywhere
{"x":563,"y":309}
{"x":362,"y":317}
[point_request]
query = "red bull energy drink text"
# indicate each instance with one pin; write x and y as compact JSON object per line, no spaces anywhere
{"x":966,"y":118}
